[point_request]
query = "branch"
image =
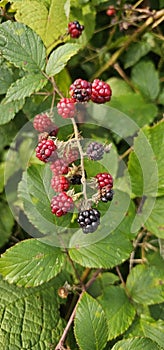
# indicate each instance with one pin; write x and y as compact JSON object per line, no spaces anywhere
{"x":154,"y":19}
{"x":60,"y":345}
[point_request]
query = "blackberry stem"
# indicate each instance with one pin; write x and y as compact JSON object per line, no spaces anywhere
{"x":83,"y":178}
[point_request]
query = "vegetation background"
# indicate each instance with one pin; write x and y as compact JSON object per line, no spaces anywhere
{"x":109,"y":294}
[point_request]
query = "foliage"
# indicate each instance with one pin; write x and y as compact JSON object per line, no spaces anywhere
{"x":62,"y":289}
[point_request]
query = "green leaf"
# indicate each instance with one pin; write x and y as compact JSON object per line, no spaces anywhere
{"x":150,"y":156}
{"x":6,"y":79}
{"x":144,"y":285}
{"x":49,"y":21}
{"x":118,"y":309}
{"x":25,"y":87}
{"x":59,"y":58}
{"x":153,"y":330}
{"x":155,"y":223}
{"x":161,"y":97}
{"x":135,"y":107}
{"x":119,"y":87}
{"x":145,"y":77}
{"x":35,"y":191}
{"x":22,"y":47}
{"x":135,"y":344}
{"x":40,"y":263}
{"x":29,"y":317}
{"x":8,"y":110}
{"x":135,"y":52}
{"x":6,"y":223}
{"x":107,"y":253}
{"x":90,"y":319}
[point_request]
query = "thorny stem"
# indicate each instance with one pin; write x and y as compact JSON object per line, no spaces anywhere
{"x":135,"y":244}
{"x":125,"y":153}
{"x":60,"y":344}
{"x":83,"y":179}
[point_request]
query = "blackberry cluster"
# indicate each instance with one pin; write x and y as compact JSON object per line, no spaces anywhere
{"x":75,"y":29}
{"x":95,"y":151}
{"x":89,"y":220}
{"x":105,"y":184}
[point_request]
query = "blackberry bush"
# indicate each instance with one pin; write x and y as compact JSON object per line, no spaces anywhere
{"x":66,"y":107}
{"x":43,"y":123}
{"x":59,"y":183}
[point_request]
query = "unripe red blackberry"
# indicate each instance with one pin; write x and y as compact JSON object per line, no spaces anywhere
{"x":66,"y":107}
{"x":43,"y":123}
{"x":81,"y":90}
{"x":111,"y":11}
{"x":59,"y":183}
{"x":104,"y":179}
{"x":45,"y":150}
{"x":70,"y":154}
{"x":59,"y":167}
{"x":95,"y":151}
{"x":75,"y":29}
{"x":101,"y":91}
{"x":61,"y":204}
{"x":89,"y":220}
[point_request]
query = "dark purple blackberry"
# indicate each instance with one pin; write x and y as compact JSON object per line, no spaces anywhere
{"x":89,"y":220}
{"x":76,"y":179}
{"x":107,"y":196}
{"x":95,"y":151}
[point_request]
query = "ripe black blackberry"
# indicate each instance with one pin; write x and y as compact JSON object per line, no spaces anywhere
{"x":106,"y":195}
{"x":95,"y":151}
{"x":89,"y":220}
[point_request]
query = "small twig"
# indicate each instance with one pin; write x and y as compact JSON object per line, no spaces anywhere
{"x":83,"y":179}
{"x":153,"y":20}
{"x":135,"y":245}
{"x":124,"y":76}
{"x":120,"y":276}
{"x":60,"y":344}
{"x":130,"y":149}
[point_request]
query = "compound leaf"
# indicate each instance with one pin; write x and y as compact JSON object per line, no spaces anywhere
{"x":135,"y":344}
{"x":145,"y":77}
{"x":144,"y":285}
{"x":108,"y":252}
{"x":153,"y":330}
{"x":49,"y":22}
{"x":59,"y":58}
{"x":90,"y":319}
{"x":8,"y":110}
{"x":119,"y":311}
{"x":29,"y":316}
{"x":150,"y":156}
{"x":21,"y":46}
{"x":31,"y":263}
{"x":25,"y":87}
